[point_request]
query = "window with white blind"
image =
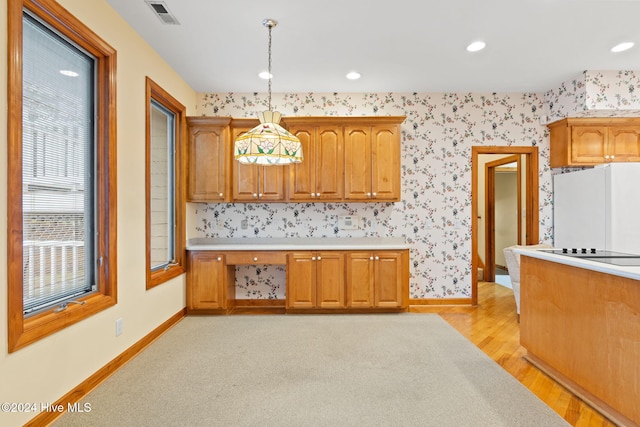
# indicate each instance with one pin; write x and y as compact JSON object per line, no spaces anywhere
{"x":165,"y":190}
{"x":61,"y":209}
{"x":57,"y":168}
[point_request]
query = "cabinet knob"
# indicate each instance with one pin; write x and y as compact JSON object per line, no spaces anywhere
{"x":368,"y":194}
{"x":221,"y":195}
{"x":255,"y":258}
{"x":375,"y":194}
{"x":255,"y":195}
{"x":370,"y":258}
{"x":613,"y":156}
{"x":219,"y":258}
{"x":259,"y":195}
{"x":606,"y":156}
{"x":313,"y":258}
{"x":377,"y":258}
{"x":313,"y":194}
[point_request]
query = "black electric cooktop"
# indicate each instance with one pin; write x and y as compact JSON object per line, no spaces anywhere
{"x":599,"y":255}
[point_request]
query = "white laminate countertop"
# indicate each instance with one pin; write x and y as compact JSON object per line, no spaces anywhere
{"x":603,"y":267}
{"x":296,"y":243}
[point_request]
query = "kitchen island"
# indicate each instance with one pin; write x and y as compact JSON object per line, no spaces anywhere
{"x":580,"y":323}
{"x":322,"y":274}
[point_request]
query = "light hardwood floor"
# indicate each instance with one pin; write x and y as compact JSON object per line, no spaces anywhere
{"x":493,"y":327}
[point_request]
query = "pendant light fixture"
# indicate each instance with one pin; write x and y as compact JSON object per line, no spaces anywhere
{"x":268,"y":143}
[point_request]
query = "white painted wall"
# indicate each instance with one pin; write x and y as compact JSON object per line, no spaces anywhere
{"x":46,"y":370}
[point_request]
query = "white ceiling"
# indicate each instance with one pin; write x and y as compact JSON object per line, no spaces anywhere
{"x":397,"y":46}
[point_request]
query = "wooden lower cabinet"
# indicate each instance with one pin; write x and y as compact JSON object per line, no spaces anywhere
{"x":377,"y":279}
{"x":320,"y":280}
{"x":209,"y":287}
{"x":315,"y":280}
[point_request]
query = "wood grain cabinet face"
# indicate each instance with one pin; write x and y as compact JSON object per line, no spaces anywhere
{"x":588,"y":144}
{"x":594,"y":141}
{"x":320,"y":175}
{"x":345,"y":159}
{"x":376,"y":279}
{"x":206,"y":281}
{"x":208,"y":160}
{"x":315,"y":280}
{"x":372,"y":162}
{"x":255,"y":183}
{"x":624,"y":144}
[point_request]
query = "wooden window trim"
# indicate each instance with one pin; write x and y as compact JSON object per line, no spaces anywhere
{"x":154,"y":91}
{"x":23,"y":331}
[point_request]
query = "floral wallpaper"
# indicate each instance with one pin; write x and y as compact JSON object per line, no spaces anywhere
{"x":434,"y":215}
{"x":595,"y":94}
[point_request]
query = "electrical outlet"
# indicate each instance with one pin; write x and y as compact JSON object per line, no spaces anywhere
{"x":119,"y":326}
{"x":244,"y":224}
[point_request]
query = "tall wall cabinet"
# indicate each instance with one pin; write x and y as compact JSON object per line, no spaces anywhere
{"x":589,"y":141}
{"x":345,"y":159}
{"x":209,"y":159}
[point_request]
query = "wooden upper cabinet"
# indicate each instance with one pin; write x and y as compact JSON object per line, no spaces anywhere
{"x":357,"y":162}
{"x":588,"y":144}
{"x":372,"y":162}
{"x":593,"y":141}
{"x":319,"y":177}
{"x":624,"y":143}
{"x":344,"y":159}
{"x":255,"y":183}
{"x":208,"y":159}
{"x":385,"y":162}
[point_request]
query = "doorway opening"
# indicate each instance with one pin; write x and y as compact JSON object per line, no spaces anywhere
{"x":485,"y":162}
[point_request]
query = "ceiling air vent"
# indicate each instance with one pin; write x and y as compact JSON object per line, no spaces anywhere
{"x":162,"y":12}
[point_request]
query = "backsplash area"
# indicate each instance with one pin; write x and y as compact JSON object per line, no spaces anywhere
{"x":434,"y":215}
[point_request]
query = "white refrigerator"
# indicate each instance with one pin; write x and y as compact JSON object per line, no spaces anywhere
{"x":598,"y":208}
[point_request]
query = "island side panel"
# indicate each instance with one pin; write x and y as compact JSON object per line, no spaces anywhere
{"x":585,"y":326}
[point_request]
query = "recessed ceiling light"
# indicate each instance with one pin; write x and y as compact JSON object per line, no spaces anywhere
{"x":353,"y":75}
{"x":476,"y":46}
{"x":621,"y":47}
{"x":69,"y":73}
{"x":265,"y":75}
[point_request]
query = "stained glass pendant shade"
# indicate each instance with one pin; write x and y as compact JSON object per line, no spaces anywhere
{"x":268,"y":143}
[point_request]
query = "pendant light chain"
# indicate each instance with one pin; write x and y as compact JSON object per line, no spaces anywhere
{"x":270,"y":26}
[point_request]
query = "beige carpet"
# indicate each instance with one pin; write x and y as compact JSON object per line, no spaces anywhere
{"x":313,"y":370}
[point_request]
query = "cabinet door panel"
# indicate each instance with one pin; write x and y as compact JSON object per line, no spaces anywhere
{"x":360,"y":279}
{"x":245,"y":176}
{"x":301,"y":281}
{"x":245,"y":181}
{"x":329,"y":165}
{"x":207,"y":163}
{"x":271,"y":183}
{"x":388,"y":279}
{"x":357,"y":163}
{"x":588,"y":144}
{"x":624,"y":144}
{"x":302,"y":175}
{"x":330,"y":280}
{"x":385,"y":157}
{"x":206,"y":284}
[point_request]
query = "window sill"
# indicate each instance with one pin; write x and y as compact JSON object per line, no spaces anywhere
{"x":159,"y":277}
{"x":46,"y":323}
